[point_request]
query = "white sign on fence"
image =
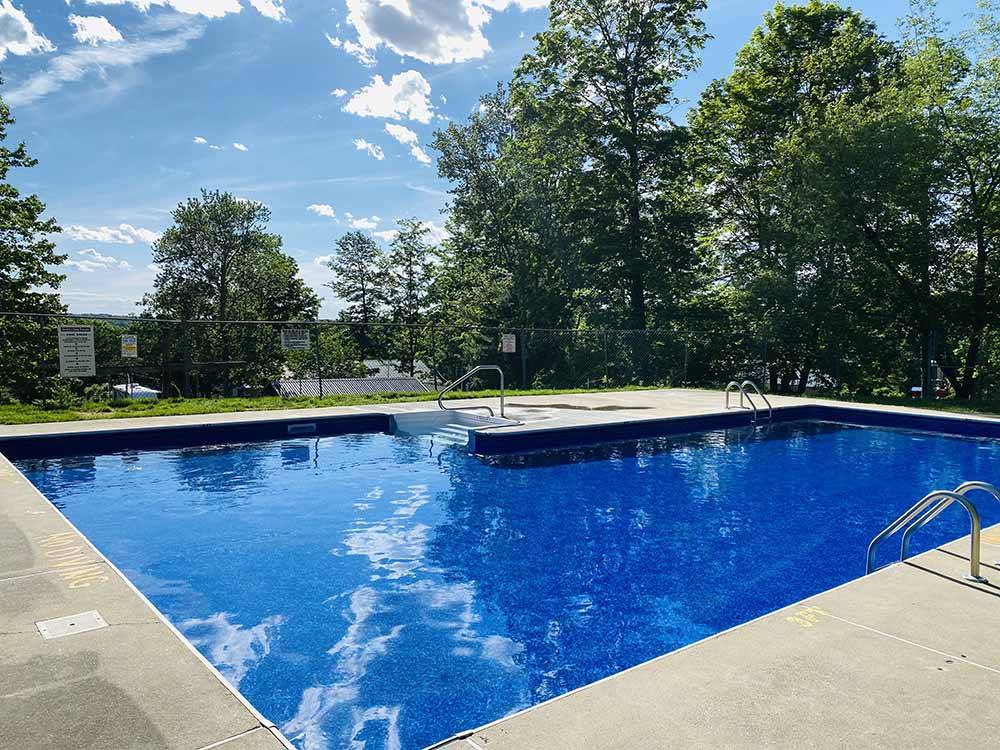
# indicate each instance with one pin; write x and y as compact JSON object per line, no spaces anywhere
{"x":294,"y":338}
{"x":76,"y":352}
{"x":130,"y":346}
{"x":508,"y":343}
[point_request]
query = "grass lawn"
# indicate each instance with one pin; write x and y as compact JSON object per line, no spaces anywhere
{"x":27,"y":414}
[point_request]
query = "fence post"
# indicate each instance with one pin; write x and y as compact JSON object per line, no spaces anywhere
{"x":687,"y":354}
{"x":186,"y":358}
{"x":607,"y":374}
{"x":319,"y":359}
{"x":434,"y":356}
{"x":523,"y":335}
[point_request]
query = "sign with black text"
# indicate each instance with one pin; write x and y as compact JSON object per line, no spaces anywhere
{"x":76,"y":352}
{"x":295,"y":338}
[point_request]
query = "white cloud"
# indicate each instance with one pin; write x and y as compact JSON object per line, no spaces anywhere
{"x":125,"y":234}
{"x":339,"y":93}
{"x":240,"y":147}
{"x":354,"y":49}
{"x":18,"y":35}
{"x":408,"y":138}
{"x":387,"y":235}
{"x":273,"y":9}
{"x":214,"y":147}
{"x":420,"y":155}
{"x":199,"y":140}
{"x":94,"y":30}
{"x":402,"y":134}
{"x":436,"y":234}
{"x":322,"y":209}
{"x":207,"y":8}
{"x":96,"y":261}
{"x":432,"y":31}
{"x":407,"y":95}
{"x":361,"y":222}
{"x":81,"y":61}
{"x":323,"y":260}
{"x":376,"y":151}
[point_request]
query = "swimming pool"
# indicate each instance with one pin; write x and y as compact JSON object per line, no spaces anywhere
{"x":391,"y":591}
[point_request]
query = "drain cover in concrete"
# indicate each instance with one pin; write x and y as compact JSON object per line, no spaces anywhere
{"x":60,"y":627}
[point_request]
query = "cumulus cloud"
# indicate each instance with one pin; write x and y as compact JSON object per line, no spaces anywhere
{"x":406,"y":96}
{"x":214,"y":147}
{"x":240,"y":147}
{"x":199,"y":140}
{"x":273,"y":9}
{"x":18,"y":35}
{"x":408,"y":138}
{"x":94,"y":30}
{"x":97,"y":261}
{"x":322,"y":209}
{"x":387,"y":235}
{"x":124,"y":234}
{"x":432,"y":31}
{"x":375,"y":151}
{"x":339,"y":93}
{"x":362,"y":222}
{"x":357,"y":51}
{"x":100,"y":60}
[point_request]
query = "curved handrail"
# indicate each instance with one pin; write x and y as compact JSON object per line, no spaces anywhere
{"x":737,"y":386}
{"x":759,"y":392}
{"x":919,"y":508}
{"x":469,"y":374}
{"x":942,"y":505}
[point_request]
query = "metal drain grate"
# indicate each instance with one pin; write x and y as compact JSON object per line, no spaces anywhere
{"x":60,"y":627}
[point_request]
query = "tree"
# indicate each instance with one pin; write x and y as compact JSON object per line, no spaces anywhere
{"x":604,"y":70}
{"x":773,"y":239}
{"x":27,"y":283}
{"x":359,"y":271}
{"x":218,"y":262}
{"x":409,"y":279}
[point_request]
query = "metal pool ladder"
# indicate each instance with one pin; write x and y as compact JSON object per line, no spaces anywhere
{"x":742,"y":388}
{"x":469,"y":374}
{"x":926,"y":510}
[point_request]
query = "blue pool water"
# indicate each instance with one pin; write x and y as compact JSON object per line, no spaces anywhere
{"x":372,"y":591}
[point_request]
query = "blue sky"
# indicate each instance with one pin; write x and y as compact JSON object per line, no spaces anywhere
{"x":324,"y":111}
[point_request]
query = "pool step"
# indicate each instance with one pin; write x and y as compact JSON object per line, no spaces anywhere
{"x":454,"y":434}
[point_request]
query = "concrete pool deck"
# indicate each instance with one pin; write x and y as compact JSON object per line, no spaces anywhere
{"x":907,"y":657}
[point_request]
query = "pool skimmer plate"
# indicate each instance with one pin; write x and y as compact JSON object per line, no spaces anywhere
{"x":60,"y":627}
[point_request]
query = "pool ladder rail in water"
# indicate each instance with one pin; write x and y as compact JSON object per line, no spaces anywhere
{"x":925,"y":511}
{"x":745,"y":398}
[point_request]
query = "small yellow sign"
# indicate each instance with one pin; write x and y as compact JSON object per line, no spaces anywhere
{"x":130,"y":346}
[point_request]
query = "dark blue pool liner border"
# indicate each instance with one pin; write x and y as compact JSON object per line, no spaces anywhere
{"x":184,"y":436}
{"x":497,"y":442}
{"x":488,"y":442}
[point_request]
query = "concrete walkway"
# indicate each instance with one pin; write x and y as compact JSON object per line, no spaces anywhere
{"x":908,"y":657}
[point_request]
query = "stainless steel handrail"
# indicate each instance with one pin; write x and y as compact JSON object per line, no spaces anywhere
{"x":753,"y":406}
{"x":919,"y":508}
{"x":759,"y":392}
{"x":469,"y":374}
{"x":931,"y":513}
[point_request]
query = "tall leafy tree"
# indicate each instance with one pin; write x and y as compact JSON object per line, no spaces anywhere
{"x":359,"y":279}
{"x":27,"y":281}
{"x":219,"y":263}
{"x":604,"y":71}
{"x":409,"y":279}
{"x":770,"y":236}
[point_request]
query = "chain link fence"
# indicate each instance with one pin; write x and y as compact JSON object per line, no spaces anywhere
{"x":131,"y":357}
